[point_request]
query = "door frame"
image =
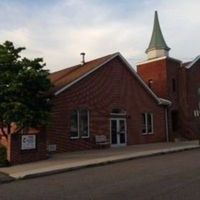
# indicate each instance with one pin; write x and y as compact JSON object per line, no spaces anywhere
{"x":118,"y":119}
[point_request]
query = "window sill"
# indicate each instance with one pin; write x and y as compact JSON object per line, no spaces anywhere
{"x":148,"y":133}
{"x":84,"y":137}
{"x":74,"y":138}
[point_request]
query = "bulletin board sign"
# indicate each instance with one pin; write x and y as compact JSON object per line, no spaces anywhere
{"x":28,"y":142}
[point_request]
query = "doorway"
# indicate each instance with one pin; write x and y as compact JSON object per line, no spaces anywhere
{"x":118,"y":131}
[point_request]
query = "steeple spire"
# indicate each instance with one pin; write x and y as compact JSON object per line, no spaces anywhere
{"x":157,"y":46}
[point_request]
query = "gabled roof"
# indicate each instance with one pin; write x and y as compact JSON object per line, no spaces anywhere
{"x":190,"y":64}
{"x":65,"y":78}
{"x":157,"y":39}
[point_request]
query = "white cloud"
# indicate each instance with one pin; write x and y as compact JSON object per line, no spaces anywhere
{"x":60,"y":31}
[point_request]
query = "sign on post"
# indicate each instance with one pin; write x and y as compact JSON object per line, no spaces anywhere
{"x":28,"y":142}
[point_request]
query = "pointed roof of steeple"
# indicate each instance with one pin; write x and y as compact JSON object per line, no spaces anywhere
{"x":157,"y":39}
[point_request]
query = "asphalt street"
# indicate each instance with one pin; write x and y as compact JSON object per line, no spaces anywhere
{"x":170,"y":176}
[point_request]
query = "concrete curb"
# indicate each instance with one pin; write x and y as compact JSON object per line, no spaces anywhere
{"x":107,"y":161}
{"x":6,"y":178}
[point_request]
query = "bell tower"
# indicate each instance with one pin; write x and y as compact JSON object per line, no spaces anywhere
{"x":159,"y":71}
{"x":161,"y":74}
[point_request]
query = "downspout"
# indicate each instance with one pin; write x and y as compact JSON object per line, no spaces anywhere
{"x":166,"y":124}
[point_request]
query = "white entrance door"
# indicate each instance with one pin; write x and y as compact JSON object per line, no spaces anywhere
{"x":118,"y":132}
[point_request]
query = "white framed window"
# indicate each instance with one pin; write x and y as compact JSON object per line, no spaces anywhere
{"x":74,"y":132}
{"x":147,"y":123}
{"x":196,"y":113}
{"x":79,"y":124}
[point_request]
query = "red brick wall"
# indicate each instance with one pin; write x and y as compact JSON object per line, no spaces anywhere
{"x":109,"y":87}
{"x":18,"y":156}
{"x":173,"y":67}
{"x":162,"y":72}
{"x":190,"y":82}
{"x":157,"y":72}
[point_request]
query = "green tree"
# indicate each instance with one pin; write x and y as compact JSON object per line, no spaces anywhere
{"x":24,"y":90}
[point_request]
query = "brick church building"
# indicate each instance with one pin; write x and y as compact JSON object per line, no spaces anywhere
{"x":106,"y":102}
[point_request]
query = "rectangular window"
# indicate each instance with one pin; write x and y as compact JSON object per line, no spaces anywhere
{"x":83,"y":123}
{"x":150,"y":82}
{"x":79,"y":126}
{"x":174,"y":85}
{"x":144,"y":123}
{"x":74,"y":125}
{"x":147,"y":123}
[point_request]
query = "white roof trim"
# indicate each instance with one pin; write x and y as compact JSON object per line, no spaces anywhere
{"x":159,"y":100}
{"x":156,"y":59}
{"x":193,"y":62}
{"x":83,"y":76}
{"x":165,"y":101}
{"x":152,"y":60}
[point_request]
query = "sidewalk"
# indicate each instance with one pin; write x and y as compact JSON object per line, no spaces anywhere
{"x":69,"y":161}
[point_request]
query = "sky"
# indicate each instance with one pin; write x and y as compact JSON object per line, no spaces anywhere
{"x":59,"y":30}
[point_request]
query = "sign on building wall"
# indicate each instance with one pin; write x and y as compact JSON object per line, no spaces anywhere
{"x":28,"y":142}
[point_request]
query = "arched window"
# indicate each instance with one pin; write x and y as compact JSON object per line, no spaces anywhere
{"x":79,"y":124}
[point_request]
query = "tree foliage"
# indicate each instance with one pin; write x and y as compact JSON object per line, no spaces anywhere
{"x":24,"y":87}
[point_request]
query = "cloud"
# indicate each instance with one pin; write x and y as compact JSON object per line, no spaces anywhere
{"x":60,"y":30}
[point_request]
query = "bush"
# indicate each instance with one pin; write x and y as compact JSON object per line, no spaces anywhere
{"x":3,"y":156}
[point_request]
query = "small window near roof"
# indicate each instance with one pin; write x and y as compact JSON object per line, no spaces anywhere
{"x":150,"y":82}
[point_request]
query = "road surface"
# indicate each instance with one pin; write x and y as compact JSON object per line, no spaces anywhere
{"x":172,"y":176}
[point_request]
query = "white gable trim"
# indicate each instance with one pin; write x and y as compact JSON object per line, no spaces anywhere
{"x":159,"y":100}
{"x":193,"y":62}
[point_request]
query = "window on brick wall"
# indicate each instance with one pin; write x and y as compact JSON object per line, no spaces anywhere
{"x":79,"y":124}
{"x":74,"y":124}
{"x":174,"y":85}
{"x":147,"y":123}
{"x":84,"y":123}
{"x":150,"y":82}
